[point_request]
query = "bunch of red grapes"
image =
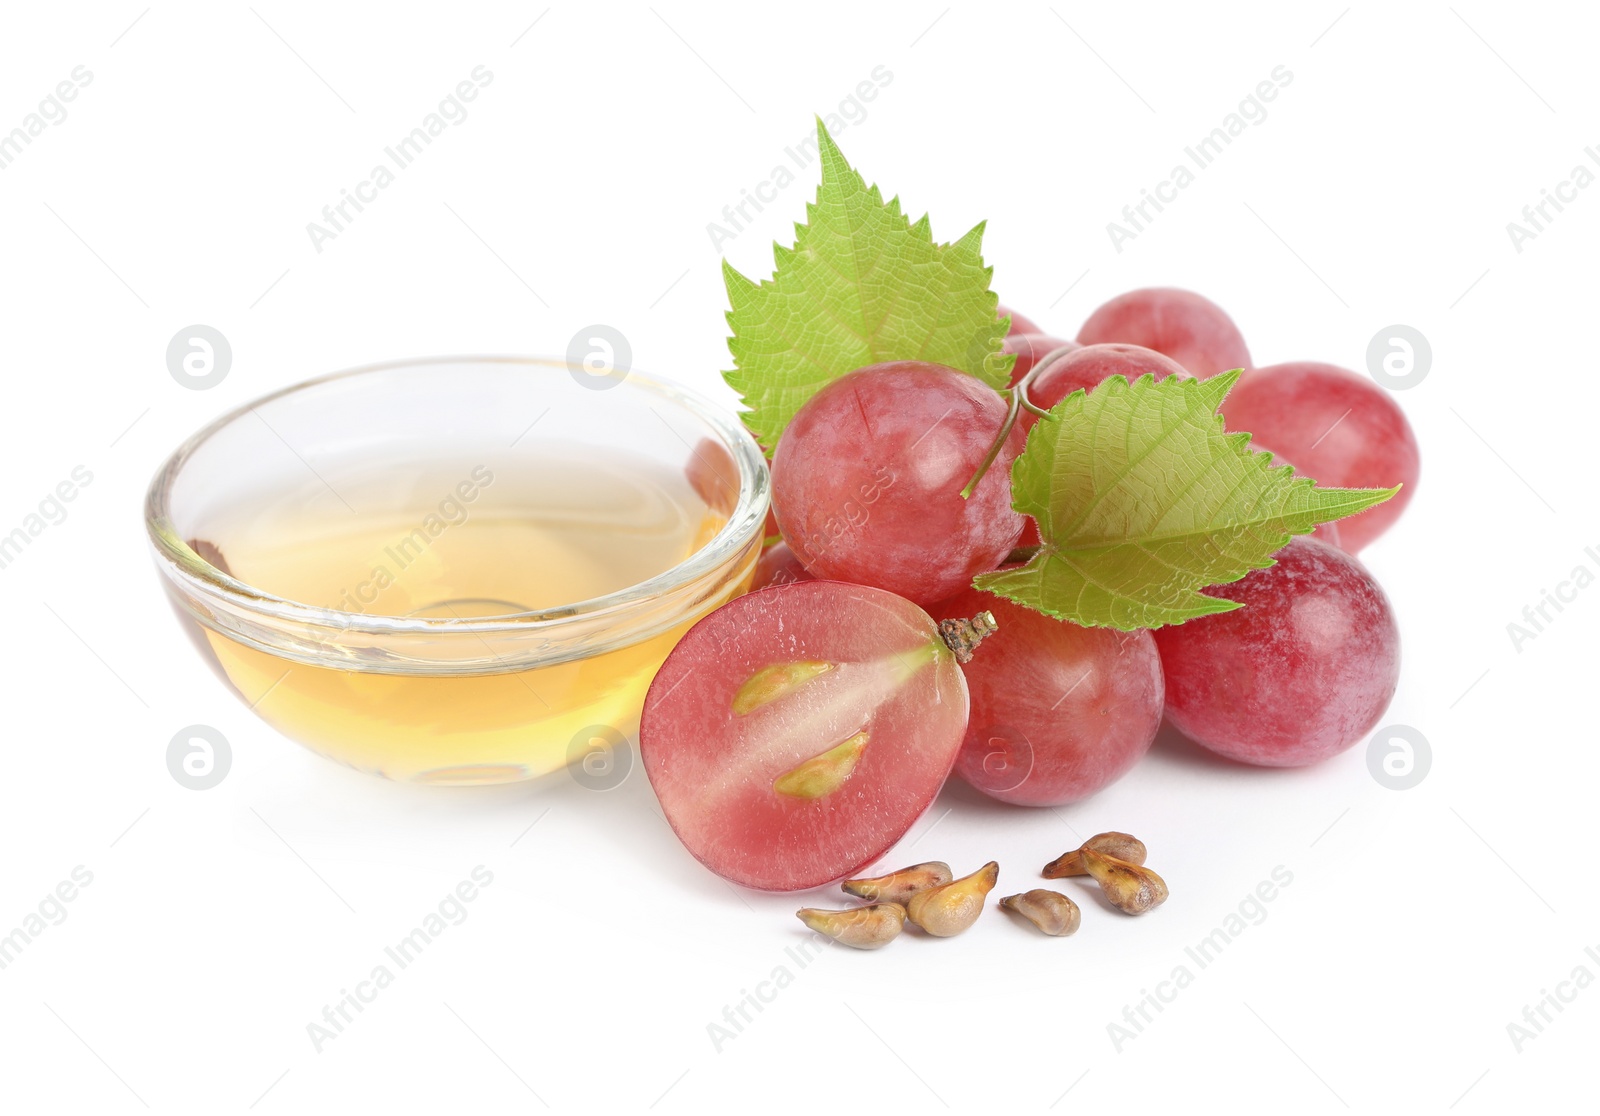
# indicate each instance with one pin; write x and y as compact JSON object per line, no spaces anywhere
{"x":830,"y":676}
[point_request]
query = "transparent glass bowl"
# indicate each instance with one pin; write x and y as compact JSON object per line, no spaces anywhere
{"x":456,"y":570}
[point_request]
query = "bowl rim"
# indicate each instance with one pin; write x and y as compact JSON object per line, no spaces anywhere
{"x":744,"y":522}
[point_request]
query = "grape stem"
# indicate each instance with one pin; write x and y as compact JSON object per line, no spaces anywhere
{"x":1018,"y":402}
{"x":999,"y":443}
{"x":962,"y":635}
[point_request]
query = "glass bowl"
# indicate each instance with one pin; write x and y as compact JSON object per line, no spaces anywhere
{"x":459,"y":570}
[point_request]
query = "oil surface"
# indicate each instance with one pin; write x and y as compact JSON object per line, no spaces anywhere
{"x":470,"y":543}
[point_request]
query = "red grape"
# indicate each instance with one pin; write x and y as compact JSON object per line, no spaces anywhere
{"x":1300,"y":673}
{"x":1019,"y":324}
{"x":1058,"y":711}
{"x":1030,"y":349}
{"x":778,"y":566}
{"x":1333,"y":425}
{"x":1088,"y":366}
{"x":1189,"y":328}
{"x":794,"y":734}
{"x":867,"y":480}
{"x":714,"y":475}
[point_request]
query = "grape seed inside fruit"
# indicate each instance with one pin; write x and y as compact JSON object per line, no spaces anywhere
{"x":867,"y":480}
{"x":796,"y":733}
{"x":1300,"y":673}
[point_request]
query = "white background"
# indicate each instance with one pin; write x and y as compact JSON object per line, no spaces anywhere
{"x":218,"y":924}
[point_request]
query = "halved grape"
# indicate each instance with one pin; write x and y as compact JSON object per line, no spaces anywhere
{"x":795,"y":733}
{"x":1189,"y":328}
{"x":1058,"y":711}
{"x":867,"y":480}
{"x":1030,"y":349}
{"x":1300,"y":673}
{"x":1333,"y":425}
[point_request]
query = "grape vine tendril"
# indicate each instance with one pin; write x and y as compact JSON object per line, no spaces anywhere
{"x":1018,"y":401}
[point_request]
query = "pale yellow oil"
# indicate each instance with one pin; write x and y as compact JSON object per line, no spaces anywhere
{"x":581,"y":530}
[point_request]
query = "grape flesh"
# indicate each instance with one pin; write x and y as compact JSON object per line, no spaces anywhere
{"x":1031,"y":348}
{"x":778,"y":566}
{"x":1333,"y":425}
{"x":867,"y":480}
{"x":1300,"y":673}
{"x":1189,"y":328}
{"x":1019,"y":324}
{"x":1058,"y":711}
{"x":860,"y":661}
{"x":1086,"y":367}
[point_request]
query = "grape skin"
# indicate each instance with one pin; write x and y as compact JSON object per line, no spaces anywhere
{"x":1300,"y":673}
{"x":714,"y":475}
{"x":1030,"y":349}
{"x":1335,"y":426}
{"x":778,"y":566}
{"x":1058,"y":711}
{"x":1019,"y":324}
{"x":1189,"y":328}
{"x":1086,"y":367}
{"x":867,"y":480}
{"x":713,"y":770}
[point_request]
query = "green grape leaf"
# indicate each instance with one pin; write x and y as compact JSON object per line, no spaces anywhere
{"x":1142,"y":499}
{"x":862,"y":285}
